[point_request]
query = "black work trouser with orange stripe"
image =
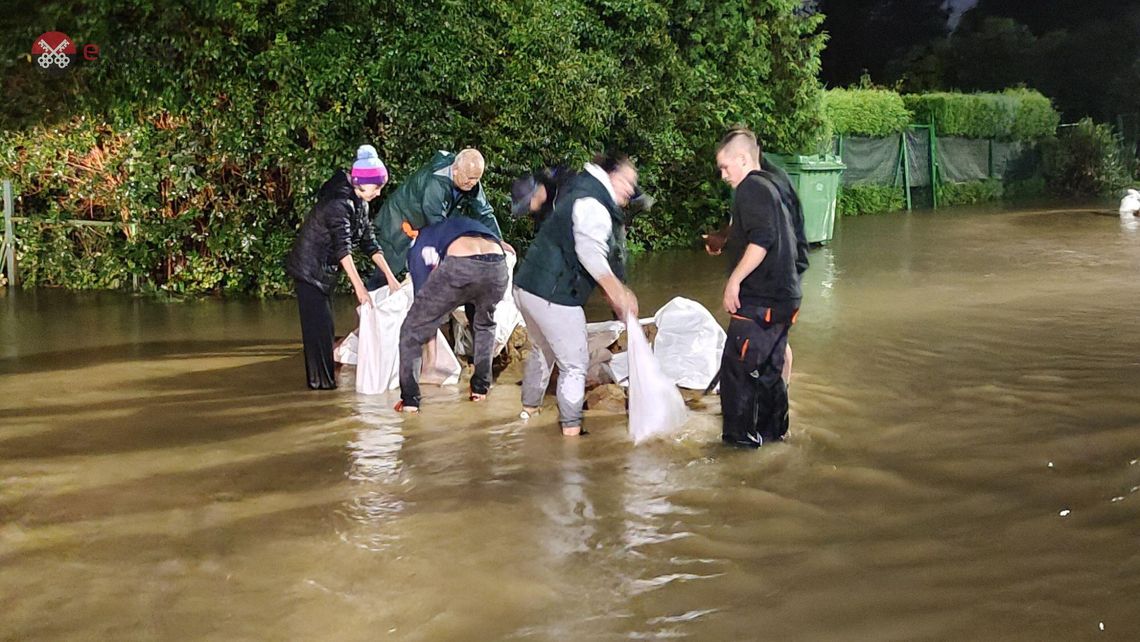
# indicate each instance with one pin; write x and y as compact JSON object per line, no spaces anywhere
{"x":753,"y":393}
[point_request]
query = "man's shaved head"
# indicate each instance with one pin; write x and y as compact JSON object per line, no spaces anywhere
{"x":468,"y":169}
{"x":740,"y":141}
{"x":737,"y":154}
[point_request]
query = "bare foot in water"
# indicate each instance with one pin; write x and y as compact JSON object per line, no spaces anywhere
{"x":477,"y":397}
{"x":571,"y":431}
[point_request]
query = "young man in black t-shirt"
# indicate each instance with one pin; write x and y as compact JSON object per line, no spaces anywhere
{"x":762,"y":295}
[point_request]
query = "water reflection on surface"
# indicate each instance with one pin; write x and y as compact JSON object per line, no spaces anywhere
{"x":962,"y":465}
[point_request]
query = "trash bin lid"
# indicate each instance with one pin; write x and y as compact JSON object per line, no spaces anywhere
{"x":812,"y":162}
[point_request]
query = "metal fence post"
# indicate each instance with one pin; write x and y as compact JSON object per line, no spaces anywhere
{"x":933,"y":166}
{"x":9,"y":244}
{"x":134,"y":228}
{"x":991,"y":159}
{"x":906,"y":167}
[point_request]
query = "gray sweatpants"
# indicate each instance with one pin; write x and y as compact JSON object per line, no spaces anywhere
{"x":480,"y":280}
{"x":557,"y":334}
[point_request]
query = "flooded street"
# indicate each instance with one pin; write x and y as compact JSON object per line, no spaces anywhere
{"x":962,"y":464}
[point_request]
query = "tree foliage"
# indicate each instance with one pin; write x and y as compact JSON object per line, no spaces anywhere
{"x":1085,"y":160}
{"x":210,"y":123}
{"x":1014,"y":114}
{"x":866,"y":112}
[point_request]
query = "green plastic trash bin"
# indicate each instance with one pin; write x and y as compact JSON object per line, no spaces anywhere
{"x":816,"y":179}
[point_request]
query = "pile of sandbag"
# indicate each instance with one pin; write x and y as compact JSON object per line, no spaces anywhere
{"x":685,"y":353}
{"x":599,"y":337}
{"x":688,"y":345}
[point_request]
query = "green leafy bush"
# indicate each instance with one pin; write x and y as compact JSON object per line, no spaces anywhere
{"x":1084,"y":160}
{"x":216,"y":122}
{"x":970,"y":192}
{"x":1027,"y":188}
{"x":1015,"y":114}
{"x":865,"y":112}
{"x":857,"y":200}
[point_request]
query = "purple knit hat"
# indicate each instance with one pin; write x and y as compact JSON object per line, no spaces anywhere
{"x":368,"y":168}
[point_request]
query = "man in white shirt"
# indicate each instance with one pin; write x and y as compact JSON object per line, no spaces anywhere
{"x":579,"y":247}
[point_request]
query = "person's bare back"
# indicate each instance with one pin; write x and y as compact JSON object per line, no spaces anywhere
{"x":473,"y":246}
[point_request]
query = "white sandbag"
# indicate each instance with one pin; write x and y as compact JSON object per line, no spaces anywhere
{"x":655,"y":405}
{"x":599,"y":337}
{"x":689,"y":343}
{"x":446,"y":368}
{"x":611,"y":367}
{"x":618,"y":368}
{"x":507,"y":318}
{"x":598,"y":371}
{"x":345,"y":351}
{"x":378,"y":347}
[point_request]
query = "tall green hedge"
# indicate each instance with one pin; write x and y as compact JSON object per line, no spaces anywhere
{"x":976,"y":192}
{"x":210,"y":124}
{"x":865,"y":112}
{"x":859,"y":200}
{"x":1014,"y":114}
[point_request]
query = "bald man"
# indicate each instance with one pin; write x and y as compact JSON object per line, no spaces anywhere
{"x":762,"y":295}
{"x":447,"y":185}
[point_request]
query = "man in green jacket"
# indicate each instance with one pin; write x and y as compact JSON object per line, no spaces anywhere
{"x":449,"y":184}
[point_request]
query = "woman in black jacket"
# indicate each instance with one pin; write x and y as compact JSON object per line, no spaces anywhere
{"x":338,"y":221}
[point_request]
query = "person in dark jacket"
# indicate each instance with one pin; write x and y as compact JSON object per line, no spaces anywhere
{"x":580,"y":247}
{"x":715,"y":241}
{"x":323,"y":247}
{"x":762,"y":295}
{"x":448,"y":185}
{"x":458,"y":261}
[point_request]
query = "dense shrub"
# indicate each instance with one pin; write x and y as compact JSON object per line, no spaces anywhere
{"x":1015,"y":114}
{"x":970,"y":192}
{"x":865,"y":112}
{"x":213,"y":123}
{"x":1023,"y":189}
{"x":856,"y":200}
{"x":1084,"y":160}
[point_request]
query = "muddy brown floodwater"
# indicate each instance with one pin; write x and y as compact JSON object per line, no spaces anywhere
{"x":962,"y":464}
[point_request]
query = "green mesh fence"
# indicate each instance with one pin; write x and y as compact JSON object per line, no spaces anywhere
{"x":870,"y":161}
{"x":963,"y":159}
{"x":918,"y":158}
{"x":956,"y":159}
